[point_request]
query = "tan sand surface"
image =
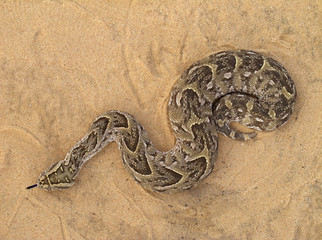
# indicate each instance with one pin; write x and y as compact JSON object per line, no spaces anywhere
{"x":62,"y":63}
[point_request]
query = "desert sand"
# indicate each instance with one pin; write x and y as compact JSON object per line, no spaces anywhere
{"x":65,"y":62}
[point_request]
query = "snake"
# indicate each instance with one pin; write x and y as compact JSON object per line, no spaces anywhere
{"x":239,"y":86}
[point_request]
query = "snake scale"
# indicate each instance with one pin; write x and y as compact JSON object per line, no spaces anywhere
{"x":230,"y":86}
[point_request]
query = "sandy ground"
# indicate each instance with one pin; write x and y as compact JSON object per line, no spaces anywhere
{"x":65,"y":62}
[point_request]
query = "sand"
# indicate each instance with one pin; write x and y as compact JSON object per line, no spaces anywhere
{"x":65,"y":62}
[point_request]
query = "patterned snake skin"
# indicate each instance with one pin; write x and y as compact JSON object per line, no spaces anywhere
{"x":231,"y":86}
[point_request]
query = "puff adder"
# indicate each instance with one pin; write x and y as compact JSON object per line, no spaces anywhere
{"x":231,"y":86}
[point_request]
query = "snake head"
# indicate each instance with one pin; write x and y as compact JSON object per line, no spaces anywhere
{"x":56,"y":177}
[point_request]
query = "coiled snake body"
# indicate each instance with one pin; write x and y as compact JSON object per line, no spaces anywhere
{"x":231,"y":86}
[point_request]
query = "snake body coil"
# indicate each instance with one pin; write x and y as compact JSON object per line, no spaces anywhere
{"x":231,"y":86}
